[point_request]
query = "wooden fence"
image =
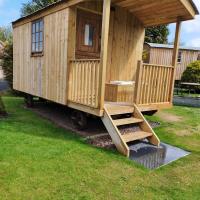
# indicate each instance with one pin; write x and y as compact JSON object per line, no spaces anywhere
{"x":84,"y":82}
{"x":153,"y":84}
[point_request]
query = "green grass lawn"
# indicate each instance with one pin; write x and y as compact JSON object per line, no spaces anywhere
{"x":41,"y":161}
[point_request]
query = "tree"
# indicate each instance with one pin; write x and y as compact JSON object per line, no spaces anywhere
{"x":157,"y":34}
{"x":34,"y":5}
{"x":5,"y":34}
{"x":7,"y":62}
{"x":5,"y":38}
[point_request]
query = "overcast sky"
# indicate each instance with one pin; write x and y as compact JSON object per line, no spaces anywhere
{"x":190,"y":35}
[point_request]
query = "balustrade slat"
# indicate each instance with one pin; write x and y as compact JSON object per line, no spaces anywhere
{"x":168,"y":85}
{"x":162,"y":86}
{"x":97,"y":83}
{"x":160,"y":79}
{"x":166,"y":81}
{"x":158,"y":84}
{"x":143,"y":85}
{"x":90,"y":83}
{"x":149,"y":82}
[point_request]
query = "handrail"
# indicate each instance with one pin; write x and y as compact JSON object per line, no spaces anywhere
{"x":84,"y":60}
{"x":147,"y":64}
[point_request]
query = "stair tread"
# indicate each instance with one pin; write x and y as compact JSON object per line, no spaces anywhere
{"x":126,"y":121}
{"x":119,"y":109}
{"x":136,"y":136}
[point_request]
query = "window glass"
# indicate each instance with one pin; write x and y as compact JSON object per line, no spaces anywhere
{"x":37,"y":36}
{"x":40,"y":46}
{"x":33,"y":38}
{"x":41,"y":25}
{"x":37,"y":26}
{"x":89,"y":33}
{"x":33,"y":28}
{"x":179,"y":56}
{"x":33,"y":47}
{"x":41,"y":37}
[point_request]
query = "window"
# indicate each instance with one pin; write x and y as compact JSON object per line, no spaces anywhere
{"x":89,"y":33}
{"x":37,"y":36}
{"x":179,"y":56}
{"x":198,"y":58}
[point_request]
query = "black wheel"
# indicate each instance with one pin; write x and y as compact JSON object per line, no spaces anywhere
{"x":42,"y":100}
{"x":79,"y":119}
{"x":29,"y":101}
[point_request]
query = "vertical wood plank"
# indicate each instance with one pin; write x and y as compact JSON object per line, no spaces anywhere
{"x":138,"y":82}
{"x":104,"y":50}
{"x":174,"y":58}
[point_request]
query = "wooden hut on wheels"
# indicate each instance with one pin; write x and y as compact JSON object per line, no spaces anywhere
{"x":87,"y":55}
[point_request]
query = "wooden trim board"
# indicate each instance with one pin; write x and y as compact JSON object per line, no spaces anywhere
{"x":93,"y":111}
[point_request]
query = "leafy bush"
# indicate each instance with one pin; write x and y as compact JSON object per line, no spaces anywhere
{"x":192,"y":73}
{"x":7,"y":63}
{"x":5,"y":34}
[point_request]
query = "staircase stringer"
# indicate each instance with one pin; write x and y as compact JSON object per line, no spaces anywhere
{"x":145,"y":126}
{"x":116,"y":136}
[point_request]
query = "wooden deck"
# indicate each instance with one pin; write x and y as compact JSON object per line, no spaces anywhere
{"x":152,"y":89}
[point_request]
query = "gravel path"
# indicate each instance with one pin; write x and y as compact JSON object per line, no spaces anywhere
{"x":95,"y":134}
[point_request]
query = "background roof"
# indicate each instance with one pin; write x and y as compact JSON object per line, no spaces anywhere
{"x":167,"y":46}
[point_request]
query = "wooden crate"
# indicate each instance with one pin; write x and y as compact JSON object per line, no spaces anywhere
{"x":119,"y":93}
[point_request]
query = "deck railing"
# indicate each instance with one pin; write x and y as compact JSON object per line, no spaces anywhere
{"x":153,"y":84}
{"x":84,"y":82}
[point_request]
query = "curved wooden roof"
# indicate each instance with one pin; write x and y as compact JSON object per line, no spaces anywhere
{"x":149,"y":12}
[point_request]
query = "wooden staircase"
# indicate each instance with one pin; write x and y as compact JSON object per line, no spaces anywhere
{"x":116,"y":116}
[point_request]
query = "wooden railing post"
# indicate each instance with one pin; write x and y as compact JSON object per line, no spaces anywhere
{"x":175,"y":57}
{"x":71,"y":43}
{"x":138,"y":82}
{"x":104,"y":51}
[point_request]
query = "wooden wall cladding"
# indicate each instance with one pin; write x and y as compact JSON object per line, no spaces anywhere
{"x":44,"y":76}
{"x":126,"y":38}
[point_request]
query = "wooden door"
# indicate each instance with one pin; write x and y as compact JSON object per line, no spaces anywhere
{"x":88,"y":35}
